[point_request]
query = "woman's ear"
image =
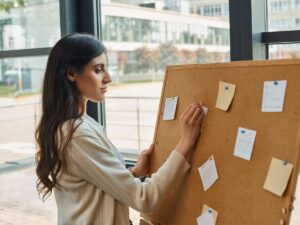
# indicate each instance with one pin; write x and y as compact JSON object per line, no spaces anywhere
{"x":70,"y":75}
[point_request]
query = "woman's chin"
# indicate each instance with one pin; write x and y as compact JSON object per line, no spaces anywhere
{"x":98,"y":99}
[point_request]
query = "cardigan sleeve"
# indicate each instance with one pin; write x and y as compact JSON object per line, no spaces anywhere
{"x":97,"y":164}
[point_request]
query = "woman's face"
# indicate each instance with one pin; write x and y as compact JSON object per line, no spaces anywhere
{"x":92,"y":82}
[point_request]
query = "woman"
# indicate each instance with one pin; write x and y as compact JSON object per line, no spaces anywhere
{"x":75,"y":157}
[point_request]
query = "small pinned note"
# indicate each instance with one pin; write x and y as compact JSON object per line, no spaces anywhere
{"x":273,"y":97}
{"x":205,"y":110}
{"x":214,"y":212}
{"x":244,"y":143}
{"x":206,"y":218}
{"x":278,"y":176}
{"x":225,"y":95}
{"x":208,"y":173}
{"x":170,"y":108}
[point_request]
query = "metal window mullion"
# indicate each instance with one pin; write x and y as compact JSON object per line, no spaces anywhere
{"x":24,"y":53}
{"x":247,"y":22}
{"x":84,"y":17}
{"x":281,"y":37}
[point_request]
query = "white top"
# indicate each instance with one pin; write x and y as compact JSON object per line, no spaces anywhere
{"x":96,"y":188}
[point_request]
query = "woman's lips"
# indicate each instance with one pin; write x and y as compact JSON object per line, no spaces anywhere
{"x":104,"y":90}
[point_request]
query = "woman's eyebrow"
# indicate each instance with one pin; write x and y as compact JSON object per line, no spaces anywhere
{"x":99,"y":64}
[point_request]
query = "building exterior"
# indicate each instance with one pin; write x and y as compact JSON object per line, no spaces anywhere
{"x":282,"y":15}
{"x":160,"y":34}
{"x":34,"y":25}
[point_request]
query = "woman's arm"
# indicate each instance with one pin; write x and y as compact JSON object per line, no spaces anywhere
{"x":98,"y":165}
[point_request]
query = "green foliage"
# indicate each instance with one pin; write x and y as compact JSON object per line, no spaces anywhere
{"x":6,"y":91}
{"x":7,"y":5}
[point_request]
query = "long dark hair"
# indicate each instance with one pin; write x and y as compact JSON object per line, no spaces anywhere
{"x":61,"y":102}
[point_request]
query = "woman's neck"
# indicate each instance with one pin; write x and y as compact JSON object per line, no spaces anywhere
{"x":84,"y":105}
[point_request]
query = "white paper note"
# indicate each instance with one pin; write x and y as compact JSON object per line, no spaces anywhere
{"x":273,"y":97}
{"x":170,"y":108}
{"x":206,"y":219}
{"x":205,"y":110}
{"x":214,"y":212}
{"x":208,"y":173}
{"x":244,"y":143}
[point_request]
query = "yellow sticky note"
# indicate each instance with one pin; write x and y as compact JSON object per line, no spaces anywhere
{"x":214,"y":212}
{"x":278,"y":176}
{"x":225,"y":95}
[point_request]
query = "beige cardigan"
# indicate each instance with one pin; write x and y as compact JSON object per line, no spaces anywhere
{"x":97,"y":188}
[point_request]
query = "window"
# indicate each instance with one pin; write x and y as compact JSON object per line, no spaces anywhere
{"x":283,"y":14}
{"x":19,"y":113}
{"x":21,"y":76}
{"x":284,"y":51}
{"x":24,"y":26}
{"x":297,"y":22}
{"x":141,"y":42}
{"x":31,"y":24}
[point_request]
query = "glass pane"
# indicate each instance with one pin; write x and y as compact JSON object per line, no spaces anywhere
{"x":20,"y":77}
{"x":29,"y":24}
{"x":20,"y":84}
{"x":283,"y":15}
{"x":142,"y":38}
{"x":284,"y":51}
{"x":288,"y":51}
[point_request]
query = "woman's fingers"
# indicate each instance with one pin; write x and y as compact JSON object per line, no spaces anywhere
{"x":197,"y":114}
{"x":191,"y":110}
{"x":200,"y":119}
{"x":148,"y":151}
{"x":193,"y":113}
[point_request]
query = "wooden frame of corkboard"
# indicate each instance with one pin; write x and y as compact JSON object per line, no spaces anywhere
{"x":238,"y":194}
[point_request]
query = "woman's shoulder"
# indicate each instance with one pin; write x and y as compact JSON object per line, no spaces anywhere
{"x":81,"y":125}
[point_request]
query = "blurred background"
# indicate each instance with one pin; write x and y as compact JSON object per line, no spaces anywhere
{"x":142,"y":38}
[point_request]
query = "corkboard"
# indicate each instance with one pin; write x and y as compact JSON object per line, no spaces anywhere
{"x":238,"y":195}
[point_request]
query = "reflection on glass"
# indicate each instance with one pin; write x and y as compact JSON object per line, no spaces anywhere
{"x":20,"y":84}
{"x":284,"y":51}
{"x":21,"y":76}
{"x":283,"y":15}
{"x":29,"y":24}
{"x":142,"y":38}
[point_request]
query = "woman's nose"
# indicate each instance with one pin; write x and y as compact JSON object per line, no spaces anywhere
{"x":107,"y":78}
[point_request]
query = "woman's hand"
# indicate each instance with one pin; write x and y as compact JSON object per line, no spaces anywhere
{"x":191,"y":121}
{"x":141,"y":168}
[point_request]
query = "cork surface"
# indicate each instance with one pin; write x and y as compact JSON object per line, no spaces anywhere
{"x":238,"y":194}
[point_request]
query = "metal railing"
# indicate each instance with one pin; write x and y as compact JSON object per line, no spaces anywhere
{"x":138,"y":111}
{"x":135,"y":107}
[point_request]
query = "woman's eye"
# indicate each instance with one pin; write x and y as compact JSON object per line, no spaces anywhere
{"x":98,"y":70}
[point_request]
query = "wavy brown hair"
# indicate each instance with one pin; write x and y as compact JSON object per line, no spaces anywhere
{"x":61,"y":102}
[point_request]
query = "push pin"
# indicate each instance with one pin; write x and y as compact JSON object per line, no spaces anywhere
{"x":209,"y":211}
{"x":226,"y":88}
{"x":243,"y":131}
{"x":275,"y":83}
{"x":285,"y":162}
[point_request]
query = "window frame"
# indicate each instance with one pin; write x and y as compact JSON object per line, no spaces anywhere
{"x":249,"y":38}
